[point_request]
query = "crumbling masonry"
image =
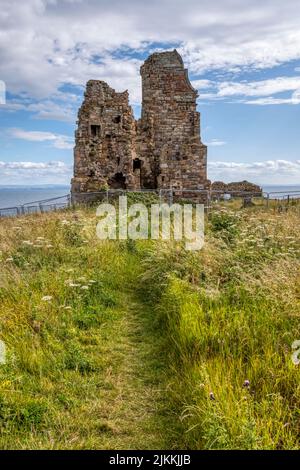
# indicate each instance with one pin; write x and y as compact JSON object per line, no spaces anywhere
{"x":161,"y":150}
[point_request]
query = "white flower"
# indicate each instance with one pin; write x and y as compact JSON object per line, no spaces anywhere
{"x":84,"y":287}
{"x":2,"y":352}
{"x":68,"y":307}
{"x":91,"y":281}
{"x":73,"y":284}
{"x":47,"y":298}
{"x":27,"y":242}
{"x":8,"y":260}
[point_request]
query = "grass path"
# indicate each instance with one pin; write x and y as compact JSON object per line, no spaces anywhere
{"x":136,"y":407}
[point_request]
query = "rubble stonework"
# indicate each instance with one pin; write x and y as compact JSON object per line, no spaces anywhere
{"x":161,"y":150}
{"x":237,"y":188}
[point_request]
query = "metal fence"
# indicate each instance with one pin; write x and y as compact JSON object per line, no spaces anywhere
{"x":210,"y":198}
{"x":34,"y":207}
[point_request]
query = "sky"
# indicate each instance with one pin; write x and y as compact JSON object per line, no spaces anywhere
{"x":243,"y":57}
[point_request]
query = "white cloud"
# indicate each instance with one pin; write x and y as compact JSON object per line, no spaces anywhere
{"x":31,"y":172}
{"x":265,"y":89}
{"x":2,"y":92}
{"x":259,"y":88}
{"x":202,"y":84}
{"x":57,"y":42}
{"x":270,"y":171}
{"x":56,"y":165}
{"x":58,"y":141}
{"x":216,"y":143}
{"x":59,"y":107}
{"x":295,"y":99}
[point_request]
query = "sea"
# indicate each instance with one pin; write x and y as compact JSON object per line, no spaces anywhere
{"x":11,"y":196}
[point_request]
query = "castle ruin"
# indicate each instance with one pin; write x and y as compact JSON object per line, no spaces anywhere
{"x":161,"y":150}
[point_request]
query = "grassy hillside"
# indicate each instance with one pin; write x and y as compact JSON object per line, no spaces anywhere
{"x":145,"y":345}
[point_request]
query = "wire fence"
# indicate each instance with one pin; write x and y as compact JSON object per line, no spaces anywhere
{"x":210,"y":198}
{"x":33,"y":207}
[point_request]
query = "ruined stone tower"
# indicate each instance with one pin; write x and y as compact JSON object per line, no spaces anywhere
{"x":161,"y":150}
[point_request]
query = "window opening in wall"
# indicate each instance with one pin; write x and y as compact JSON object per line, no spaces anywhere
{"x":137,"y":164}
{"x":95,"y":130}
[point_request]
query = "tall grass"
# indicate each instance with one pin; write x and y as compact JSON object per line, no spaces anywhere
{"x":231,"y":313}
{"x":61,"y":315}
{"x":76,"y":313}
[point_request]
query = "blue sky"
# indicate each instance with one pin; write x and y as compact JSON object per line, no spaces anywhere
{"x":242,"y":56}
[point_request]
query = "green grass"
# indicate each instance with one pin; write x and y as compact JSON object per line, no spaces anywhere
{"x":116,"y":345}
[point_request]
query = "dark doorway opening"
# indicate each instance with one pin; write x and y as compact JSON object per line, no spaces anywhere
{"x":137,"y":164}
{"x":95,"y":130}
{"x":117,"y":119}
{"x":118,"y":181}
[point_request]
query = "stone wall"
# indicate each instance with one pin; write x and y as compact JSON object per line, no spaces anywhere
{"x":161,"y":150}
{"x":236,"y":187}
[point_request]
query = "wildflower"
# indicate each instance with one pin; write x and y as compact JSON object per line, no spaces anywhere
{"x":49,"y":246}
{"x":84,"y":287}
{"x":68,"y":307}
{"x":91,"y":281}
{"x":8,"y":260}
{"x":73,"y":284}
{"x":2,"y":352}
{"x":47,"y":298}
{"x":211,"y":396}
{"x":27,"y":242}
{"x":246,"y":384}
